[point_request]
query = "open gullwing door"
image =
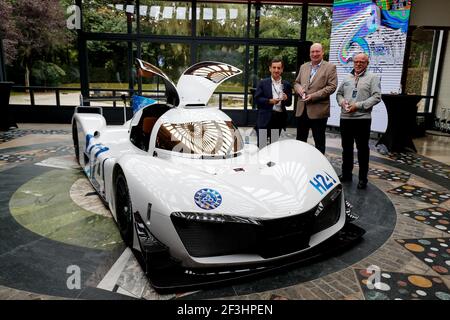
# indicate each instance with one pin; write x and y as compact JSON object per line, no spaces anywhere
{"x":197,"y":84}
{"x":148,"y":70}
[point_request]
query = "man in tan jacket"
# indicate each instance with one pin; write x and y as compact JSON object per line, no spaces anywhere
{"x":316,"y":81}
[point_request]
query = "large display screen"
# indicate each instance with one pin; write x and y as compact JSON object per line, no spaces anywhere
{"x":378,"y":28}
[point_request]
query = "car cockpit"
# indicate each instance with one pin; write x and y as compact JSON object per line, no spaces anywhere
{"x":141,"y":132}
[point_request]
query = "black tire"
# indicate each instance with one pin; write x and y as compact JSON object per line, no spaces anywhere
{"x":123,"y":209}
{"x":76,"y":145}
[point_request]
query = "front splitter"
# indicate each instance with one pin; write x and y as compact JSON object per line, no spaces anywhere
{"x":183,"y":280}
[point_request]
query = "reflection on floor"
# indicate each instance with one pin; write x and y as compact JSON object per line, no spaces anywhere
{"x":50,"y":213}
{"x":434,"y":146}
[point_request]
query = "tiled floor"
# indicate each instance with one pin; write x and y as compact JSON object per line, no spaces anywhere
{"x":50,"y":214}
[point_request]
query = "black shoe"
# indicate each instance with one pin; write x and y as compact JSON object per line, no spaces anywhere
{"x":362,"y":184}
{"x":345,"y":178}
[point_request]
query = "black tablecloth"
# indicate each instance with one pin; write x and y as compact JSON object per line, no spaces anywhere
{"x":402,"y":111}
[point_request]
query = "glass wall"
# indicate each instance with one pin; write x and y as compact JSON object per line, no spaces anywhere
{"x":279,"y":21}
{"x":109,"y":16}
{"x":419,"y":64}
{"x":163,"y":33}
{"x":221,"y":19}
{"x":172,"y":58}
{"x":265,"y":54}
{"x":319,"y":26}
{"x":165,"y":17}
{"x":107,"y":66}
{"x":41,"y":52}
{"x":233,"y":89}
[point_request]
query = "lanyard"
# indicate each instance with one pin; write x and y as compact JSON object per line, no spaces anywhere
{"x":357,"y":76}
{"x":280,"y":85}
{"x":356,"y":81}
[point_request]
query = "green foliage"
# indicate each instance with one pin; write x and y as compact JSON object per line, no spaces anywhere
{"x":173,"y":26}
{"x":287,"y":54}
{"x":285,"y":22}
{"x":280,"y":22}
{"x":8,"y":31}
{"x":47,"y":73}
{"x":38,"y":33}
{"x":421,"y":48}
{"x":172,"y":58}
{"x":319,"y":27}
{"x":228,"y":27}
{"x":46,"y":40}
{"x":99,"y":16}
{"x":414,"y":80}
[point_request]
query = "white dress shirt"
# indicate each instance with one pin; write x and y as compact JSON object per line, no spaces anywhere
{"x":277,"y":93}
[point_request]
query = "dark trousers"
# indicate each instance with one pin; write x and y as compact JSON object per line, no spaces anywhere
{"x":273,"y":131}
{"x":355,"y":130}
{"x":318,"y":126}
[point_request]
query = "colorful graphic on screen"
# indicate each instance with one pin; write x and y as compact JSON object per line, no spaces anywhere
{"x":377,"y":28}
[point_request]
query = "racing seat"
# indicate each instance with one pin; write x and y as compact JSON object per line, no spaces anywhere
{"x":147,"y":125}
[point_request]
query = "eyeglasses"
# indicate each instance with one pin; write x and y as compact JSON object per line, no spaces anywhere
{"x":359,"y":62}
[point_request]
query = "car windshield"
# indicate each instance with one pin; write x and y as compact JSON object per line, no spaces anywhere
{"x":210,"y":138}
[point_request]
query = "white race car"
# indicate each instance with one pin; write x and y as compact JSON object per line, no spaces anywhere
{"x":188,"y":194}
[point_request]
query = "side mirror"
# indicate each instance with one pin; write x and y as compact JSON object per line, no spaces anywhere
{"x":96,"y":134}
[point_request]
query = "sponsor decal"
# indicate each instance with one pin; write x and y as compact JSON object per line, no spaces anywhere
{"x":101,"y":150}
{"x":322,"y":182}
{"x":207,"y":199}
{"x":98,"y":147}
{"x":95,"y":150}
{"x":88,"y":140}
{"x":139,"y":102}
{"x":93,"y":146}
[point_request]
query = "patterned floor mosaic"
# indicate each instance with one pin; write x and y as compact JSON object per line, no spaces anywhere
{"x":417,"y":161}
{"x":436,"y":217}
{"x":400,"y":286}
{"x":336,"y":161}
{"x":421,"y":194}
{"x":10,"y":158}
{"x":17,"y":133}
{"x":33,"y":154}
{"x":58,"y":149}
{"x":434,"y":252}
{"x":396,"y":176}
{"x":415,"y":260}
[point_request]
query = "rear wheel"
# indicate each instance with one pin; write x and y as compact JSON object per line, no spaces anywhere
{"x":124,"y":209}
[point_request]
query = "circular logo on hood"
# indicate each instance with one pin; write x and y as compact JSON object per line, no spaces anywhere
{"x":207,"y":199}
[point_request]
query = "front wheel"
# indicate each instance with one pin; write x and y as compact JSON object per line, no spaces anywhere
{"x":123,"y":209}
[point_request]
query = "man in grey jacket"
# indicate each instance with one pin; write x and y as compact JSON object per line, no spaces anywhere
{"x":357,"y":95}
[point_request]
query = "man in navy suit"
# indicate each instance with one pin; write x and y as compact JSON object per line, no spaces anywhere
{"x":272,"y":96}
